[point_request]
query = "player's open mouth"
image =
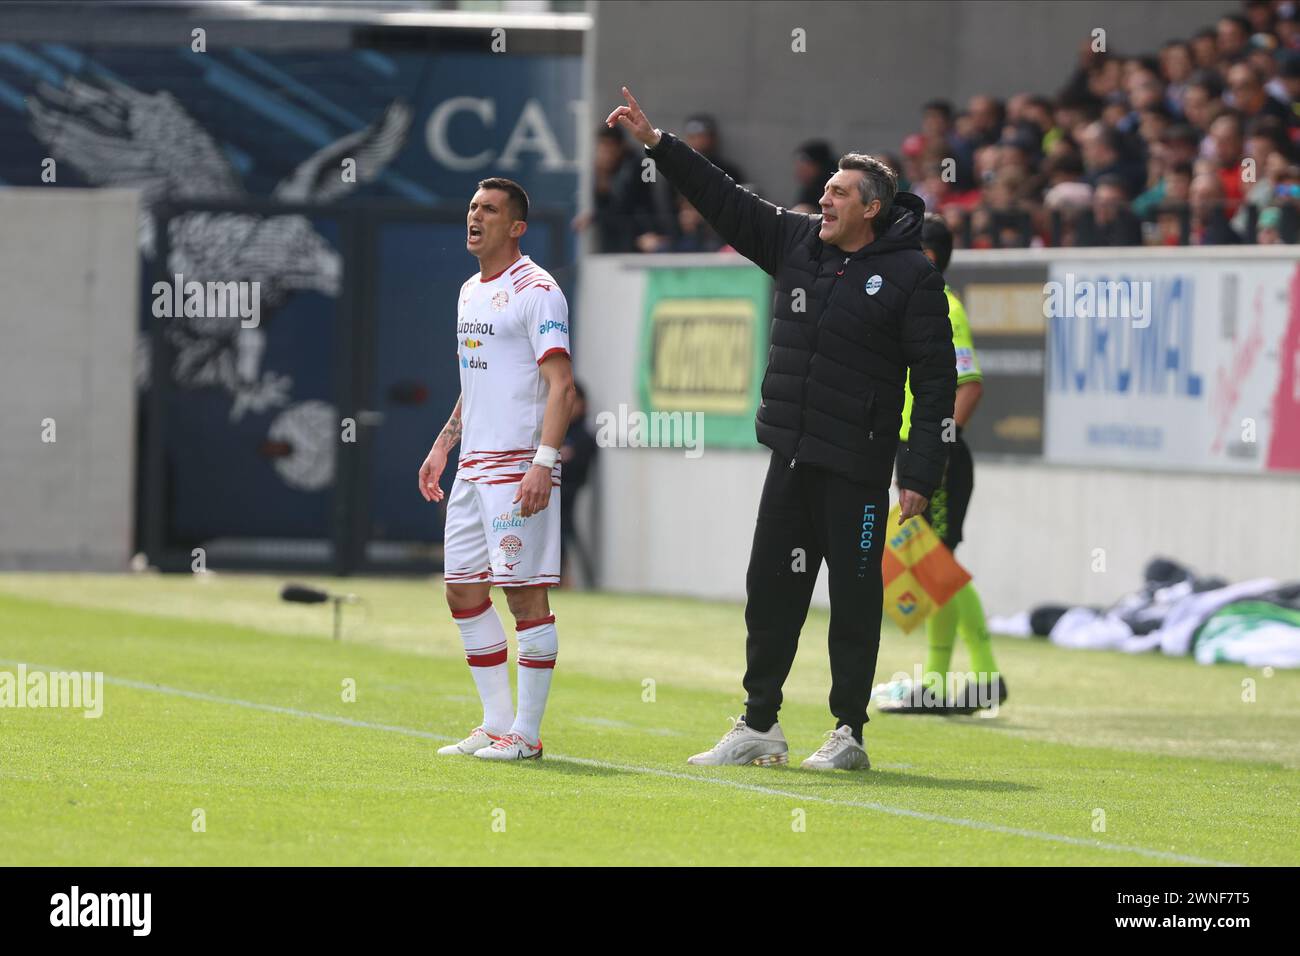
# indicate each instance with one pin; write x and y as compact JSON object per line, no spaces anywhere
{"x":475,"y":233}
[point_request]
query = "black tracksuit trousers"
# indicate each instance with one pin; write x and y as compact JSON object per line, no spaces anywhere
{"x":809,"y":512}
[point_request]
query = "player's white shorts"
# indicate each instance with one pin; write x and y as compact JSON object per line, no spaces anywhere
{"x":486,"y":540}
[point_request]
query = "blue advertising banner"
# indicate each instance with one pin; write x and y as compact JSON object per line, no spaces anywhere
{"x":227,"y":124}
{"x":1167,"y":365}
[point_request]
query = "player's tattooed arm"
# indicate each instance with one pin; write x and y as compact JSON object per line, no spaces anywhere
{"x":436,"y":461}
{"x":450,"y":436}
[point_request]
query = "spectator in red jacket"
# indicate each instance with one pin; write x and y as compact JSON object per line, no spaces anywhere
{"x":1209,"y":225}
{"x":1225,"y":135}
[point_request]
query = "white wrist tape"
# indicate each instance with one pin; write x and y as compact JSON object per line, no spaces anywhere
{"x":546,"y":456}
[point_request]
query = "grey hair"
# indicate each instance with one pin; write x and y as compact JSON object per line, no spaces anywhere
{"x":878,"y":181}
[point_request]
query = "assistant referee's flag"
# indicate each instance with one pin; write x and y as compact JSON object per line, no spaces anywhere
{"x":919,"y":571}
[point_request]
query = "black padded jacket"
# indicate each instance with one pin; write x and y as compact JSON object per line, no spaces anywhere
{"x":846,"y":328}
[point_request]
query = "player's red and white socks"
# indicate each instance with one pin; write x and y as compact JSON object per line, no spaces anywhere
{"x":485,"y":651}
{"x":538,"y":644}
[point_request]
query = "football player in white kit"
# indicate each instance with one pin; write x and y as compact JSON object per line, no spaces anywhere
{"x":503,"y":512}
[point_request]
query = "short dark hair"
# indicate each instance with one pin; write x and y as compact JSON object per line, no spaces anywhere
{"x":1085,"y":103}
{"x":937,"y":237}
{"x":1207,"y":80}
{"x":1068,"y":164}
{"x":1181,"y":132}
{"x":879,"y":181}
{"x":1114,"y":182}
{"x":938,"y":106}
{"x":1237,"y":20}
{"x":1111,"y":138}
{"x":518,"y":198}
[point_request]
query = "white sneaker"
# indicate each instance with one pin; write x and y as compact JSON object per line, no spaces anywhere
{"x":511,"y":747}
{"x":840,"y":752}
{"x":477,"y":740}
{"x":742,"y":745}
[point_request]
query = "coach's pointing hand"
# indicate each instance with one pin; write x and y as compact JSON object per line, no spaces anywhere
{"x":632,"y":118}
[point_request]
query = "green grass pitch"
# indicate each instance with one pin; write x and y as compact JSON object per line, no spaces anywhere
{"x":220,"y":698}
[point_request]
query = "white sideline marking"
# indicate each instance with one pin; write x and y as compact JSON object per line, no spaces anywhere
{"x":658,"y":772}
{"x":607,"y":724}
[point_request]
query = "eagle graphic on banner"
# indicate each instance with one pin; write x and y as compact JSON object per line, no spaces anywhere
{"x":117,"y":136}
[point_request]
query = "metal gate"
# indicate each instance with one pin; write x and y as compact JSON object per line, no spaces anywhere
{"x":297,"y":362}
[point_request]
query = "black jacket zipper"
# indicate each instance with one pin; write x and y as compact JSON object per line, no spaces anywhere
{"x":803,"y":402}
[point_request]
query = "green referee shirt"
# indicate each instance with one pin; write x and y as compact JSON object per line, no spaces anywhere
{"x":968,"y":366}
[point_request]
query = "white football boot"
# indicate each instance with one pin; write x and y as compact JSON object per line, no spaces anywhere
{"x":742,"y":745}
{"x":510,"y":747}
{"x":477,"y":740}
{"x":840,"y":752}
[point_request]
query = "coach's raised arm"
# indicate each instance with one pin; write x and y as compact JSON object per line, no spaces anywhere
{"x":894,"y":320}
{"x":857,"y":307}
{"x":753,"y":226}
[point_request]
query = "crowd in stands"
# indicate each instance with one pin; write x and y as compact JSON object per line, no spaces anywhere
{"x":1197,"y":144}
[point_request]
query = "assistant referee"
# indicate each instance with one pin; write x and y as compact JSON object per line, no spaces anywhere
{"x":857,"y":307}
{"x":964,"y":612}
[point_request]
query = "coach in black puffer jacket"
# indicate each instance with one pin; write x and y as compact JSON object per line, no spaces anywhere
{"x":833,"y":392}
{"x":856,"y":306}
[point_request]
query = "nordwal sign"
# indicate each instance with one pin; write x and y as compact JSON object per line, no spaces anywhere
{"x":1188,"y":365}
{"x":1111,"y":335}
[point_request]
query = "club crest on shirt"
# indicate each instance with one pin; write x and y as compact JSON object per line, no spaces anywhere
{"x":500,"y":299}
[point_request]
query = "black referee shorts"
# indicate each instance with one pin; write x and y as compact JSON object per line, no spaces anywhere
{"x":947,"y":510}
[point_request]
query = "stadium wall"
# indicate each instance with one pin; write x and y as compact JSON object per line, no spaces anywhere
{"x":867,"y":69}
{"x":665,"y":522}
{"x":67,"y":322}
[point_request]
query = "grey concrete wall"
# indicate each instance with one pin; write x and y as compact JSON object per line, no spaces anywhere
{"x":867,"y":69}
{"x":672,"y":525}
{"x":68,"y":314}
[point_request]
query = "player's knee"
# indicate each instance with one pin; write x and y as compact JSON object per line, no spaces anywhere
{"x":461,"y":597}
{"x":528,"y":604}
